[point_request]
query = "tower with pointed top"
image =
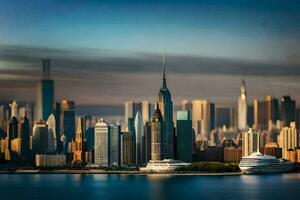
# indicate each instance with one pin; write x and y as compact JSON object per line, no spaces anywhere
{"x":242,"y":107}
{"x":166,"y":108}
{"x":78,"y":156}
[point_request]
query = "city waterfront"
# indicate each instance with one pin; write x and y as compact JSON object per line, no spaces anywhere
{"x":101,"y":186}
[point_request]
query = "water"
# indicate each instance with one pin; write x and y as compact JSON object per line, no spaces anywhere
{"x":140,"y":187}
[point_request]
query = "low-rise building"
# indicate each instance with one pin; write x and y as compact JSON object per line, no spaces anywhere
{"x":45,"y":160}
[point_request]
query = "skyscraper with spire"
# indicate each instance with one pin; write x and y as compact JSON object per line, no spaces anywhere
{"x":166,"y":107}
{"x":242,"y":107}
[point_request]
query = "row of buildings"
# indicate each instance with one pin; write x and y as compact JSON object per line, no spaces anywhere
{"x":200,"y":130}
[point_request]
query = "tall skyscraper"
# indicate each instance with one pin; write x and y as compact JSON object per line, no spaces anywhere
{"x":57,"y":115}
{"x":166,"y":107}
{"x":126,"y":148}
{"x":288,"y":110}
{"x":184,"y":136}
{"x":115,"y":145}
{"x":138,"y":125}
{"x":45,"y":93}
{"x":146,"y":146}
{"x":242,"y":107}
{"x":101,"y":151}
{"x":250,"y":142}
{"x":68,"y":119}
{"x":24,"y":131}
{"x":12,"y":131}
{"x":40,"y":138}
{"x":156,"y":134}
{"x":52,"y":140}
{"x":288,"y":139}
{"x":201,"y":118}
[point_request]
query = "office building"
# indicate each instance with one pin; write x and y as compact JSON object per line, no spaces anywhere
{"x":52,"y":140}
{"x":156,"y":134}
{"x":242,"y":107}
{"x":126,"y":148}
{"x":201,"y":117}
{"x":288,"y":139}
{"x":40,"y":138}
{"x":250,"y":142}
{"x":45,"y":93}
{"x":101,"y":151}
{"x":146,"y":145}
{"x":68,"y":118}
{"x":184,"y":132}
{"x":115,"y":145}
{"x":138,"y":125}
{"x":46,"y":160}
{"x":287,"y":111}
{"x":24,"y":135}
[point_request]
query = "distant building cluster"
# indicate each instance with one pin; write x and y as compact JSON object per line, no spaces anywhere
{"x":49,"y":134}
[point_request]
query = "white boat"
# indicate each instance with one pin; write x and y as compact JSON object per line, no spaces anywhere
{"x":257,"y":163}
{"x":163,"y":165}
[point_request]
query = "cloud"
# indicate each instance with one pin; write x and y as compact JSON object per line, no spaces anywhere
{"x":103,"y":76}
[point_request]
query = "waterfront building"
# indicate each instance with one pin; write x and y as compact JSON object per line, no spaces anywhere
{"x":184,"y":134}
{"x":126,"y":148}
{"x":45,"y":93}
{"x":232,"y":154}
{"x":287,"y":111}
{"x":250,"y":142}
{"x":40,"y":138}
{"x":166,"y":108}
{"x":272,"y":149}
{"x":115,"y":145}
{"x":242,"y":107}
{"x":101,"y":151}
{"x":288,"y":139}
{"x":47,"y":160}
{"x":156,"y":134}
{"x":138,"y":125}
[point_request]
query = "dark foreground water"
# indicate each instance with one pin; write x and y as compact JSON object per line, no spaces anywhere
{"x":156,"y":187}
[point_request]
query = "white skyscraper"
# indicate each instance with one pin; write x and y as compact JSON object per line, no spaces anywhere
{"x":250,"y":142}
{"x":242,"y":107}
{"x":51,"y":123}
{"x":101,"y":143}
{"x":138,"y":125}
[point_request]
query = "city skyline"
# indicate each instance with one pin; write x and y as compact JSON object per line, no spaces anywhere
{"x":93,"y":64}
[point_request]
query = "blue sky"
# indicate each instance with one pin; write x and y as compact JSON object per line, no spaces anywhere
{"x":263,"y":33}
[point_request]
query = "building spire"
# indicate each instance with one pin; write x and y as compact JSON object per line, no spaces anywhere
{"x":164,"y":71}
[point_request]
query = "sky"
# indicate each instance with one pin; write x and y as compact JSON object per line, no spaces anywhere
{"x":107,"y":52}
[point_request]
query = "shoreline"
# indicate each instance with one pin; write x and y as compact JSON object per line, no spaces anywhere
{"x":121,"y":172}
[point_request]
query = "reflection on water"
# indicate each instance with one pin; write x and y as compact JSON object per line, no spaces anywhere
{"x":143,"y":187}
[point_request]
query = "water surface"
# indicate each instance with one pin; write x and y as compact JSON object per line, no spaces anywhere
{"x":142,"y":187}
